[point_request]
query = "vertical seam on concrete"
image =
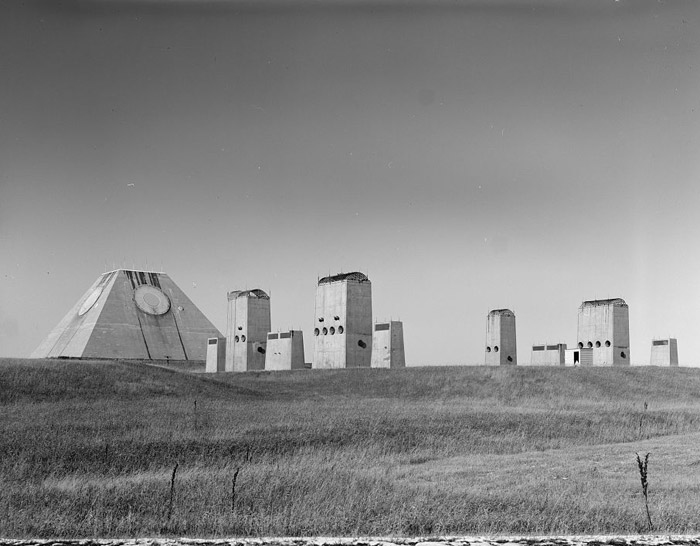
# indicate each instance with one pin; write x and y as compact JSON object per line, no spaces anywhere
{"x":143,"y":335}
{"x":177,"y":328}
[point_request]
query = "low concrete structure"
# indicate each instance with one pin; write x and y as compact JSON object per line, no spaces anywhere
{"x":343,"y":321}
{"x":547,"y":354}
{"x":664,"y":352}
{"x":216,"y":355}
{"x":285,"y":350}
{"x":603,"y":325}
{"x":248,"y":323}
{"x":501,"y":347}
{"x":131,"y":314}
{"x":387,"y":345}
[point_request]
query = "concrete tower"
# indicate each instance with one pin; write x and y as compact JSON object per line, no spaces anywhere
{"x":664,"y":352}
{"x":285,"y":350}
{"x":387,"y":345}
{"x":501,"y":348}
{"x":343,"y":322}
{"x":604,"y":328}
{"x":246,"y":330}
{"x":131,"y":314}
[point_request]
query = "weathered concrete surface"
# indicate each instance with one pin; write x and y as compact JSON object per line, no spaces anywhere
{"x":604,"y":327}
{"x":664,"y":352}
{"x":501,"y":346}
{"x":343,"y":322}
{"x":247,"y":326}
{"x":285,"y":350}
{"x":593,"y":540}
{"x":131,"y":315}
{"x":216,"y":355}
{"x":387,"y":345}
{"x":548,"y":354}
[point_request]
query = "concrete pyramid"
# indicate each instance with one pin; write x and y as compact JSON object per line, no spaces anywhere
{"x":131,"y":314}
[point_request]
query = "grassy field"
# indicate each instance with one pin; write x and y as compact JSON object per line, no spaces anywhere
{"x":88,"y":449}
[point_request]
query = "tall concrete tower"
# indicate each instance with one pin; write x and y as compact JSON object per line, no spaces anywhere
{"x":246,"y":330}
{"x":604,"y":327}
{"x":387,"y":345}
{"x":664,"y":352}
{"x":343,"y":322}
{"x":501,"y":348}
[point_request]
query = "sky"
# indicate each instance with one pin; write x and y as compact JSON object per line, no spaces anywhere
{"x":466,"y":156}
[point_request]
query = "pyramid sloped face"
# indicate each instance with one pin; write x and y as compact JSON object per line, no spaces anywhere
{"x":131,"y":314}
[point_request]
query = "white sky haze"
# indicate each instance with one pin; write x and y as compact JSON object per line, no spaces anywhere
{"x":528,"y":154}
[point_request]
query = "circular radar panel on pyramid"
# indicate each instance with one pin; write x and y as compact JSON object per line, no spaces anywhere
{"x":90,"y":301}
{"x":151,"y":300}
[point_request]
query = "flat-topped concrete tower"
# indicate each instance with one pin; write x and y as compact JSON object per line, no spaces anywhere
{"x":501,"y":347}
{"x":664,"y":352}
{"x":547,"y":354}
{"x":343,"y":322}
{"x":285,"y":350}
{"x":387,"y":345}
{"x":604,"y":327}
{"x":246,"y":332}
{"x":131,"y":314}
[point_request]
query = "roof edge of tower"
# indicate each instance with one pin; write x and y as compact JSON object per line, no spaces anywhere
{"x":618,"y":302}
{"x":501,"y":312}
{"x":352,"y":276}
{"x":254,"y":293}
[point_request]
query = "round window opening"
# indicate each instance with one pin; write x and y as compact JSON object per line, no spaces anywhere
{"x":325,"y":331}
{"x":151,"y":300}
{"x":316,"y":331}
{"x":597,"y":344}
{"x":488,"y":349}
{"x":580,"y":344}
{"x":607,"y":343}
{"x":332,"y":331}
{"x":243,"y":338}
{"x":495,"y":348}
{"x":236,"y":339}
{"x":340,"y":329}
{"x":590,"y":344}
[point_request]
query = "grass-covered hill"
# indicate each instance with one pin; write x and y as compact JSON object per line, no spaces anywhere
{"x":88,"y":448}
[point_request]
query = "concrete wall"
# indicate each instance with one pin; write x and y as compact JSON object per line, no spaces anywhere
{"x":387,"y":345}
{"x":547,"y":354}
{"x":248,"y":323}
{"x":343,"y":322}
{"x":501,"y":347}
{"x":664,"y":352}
{"x":216,"y":355}
{"x":603,"y":326}
{"x":107,"y":322}
{"x":285,"y":350}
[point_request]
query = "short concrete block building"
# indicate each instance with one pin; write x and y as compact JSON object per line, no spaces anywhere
{"x":603,"y":327}
{"x":343,"y":321}
{"x":547,"y":354}
{"x":216,"y":355}
{"x":664,"y":352}
{"x":285,"y":350}
{"x":248,"y":323}
{"x":387,"y":345}
{"x":501,"y":347}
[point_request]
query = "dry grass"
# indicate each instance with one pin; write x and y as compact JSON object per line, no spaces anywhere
{"x":88,"y":449}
